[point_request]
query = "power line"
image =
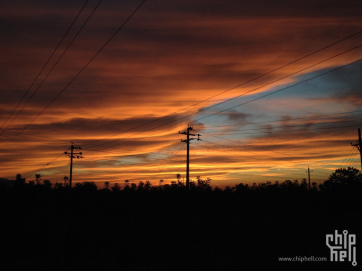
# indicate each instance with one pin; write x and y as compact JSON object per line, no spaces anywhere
{"x":309,"y":129}
{"x":223,"y":132}
{"x":114,"y":152}
{"x":350,"y":152}
{"x":280,"y":67}
{"x":274,"y":177}
{"x":248,"y":159}
{"x":293,"y":85}
{"x":130,"y":164}
{"x":329,"y":71}
{"x":243,"y":133}
{"x":239,"y":86}
{"x":314,"y":117}
{"x":358,"y":145}
{"x":268,"y":94}
{"x":127,"y":155}
{"x":351,"y":158}
{"x":61,"y":56}
{"x":84,"y":67}
{"x":46,"y":63}
{"x":238,"y":149}
{"x":39,"y":169}
{"x":252,"y":146}
{"x":321,"y":172}
{"x":104,"y":152}
{"x":232,"y":132}
{"x":273,"y":157}
{"x":52,"y":161}
{"x":252,"y":133}
{"x":34,"y":139}
{"x":291,"y":126}
{"x":245,"y":146}
{"x":320,"y":175}
{"x":172,"y":159}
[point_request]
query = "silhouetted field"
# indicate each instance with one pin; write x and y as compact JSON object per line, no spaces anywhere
{"x":142,"y":227}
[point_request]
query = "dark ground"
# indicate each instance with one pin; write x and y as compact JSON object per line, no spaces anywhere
{"x":87,"y":229}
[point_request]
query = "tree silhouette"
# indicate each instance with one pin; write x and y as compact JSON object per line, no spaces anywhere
{"x":47,"y":183}
{"x":19,"y":180}
{"x":66,"y":180}
{"x":203,"y":184}
{"x":86,"y":186}
{"x":37,"y":178}
{"x":58,"y":185}
{"x":343,"y":179}
{"x":90,"y":221}
{"x":148,"y":185}
{"x":116,"y":187}
{"x":133,"y":186}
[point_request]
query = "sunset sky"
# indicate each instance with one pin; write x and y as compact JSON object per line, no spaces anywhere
{"x":175,"y":63}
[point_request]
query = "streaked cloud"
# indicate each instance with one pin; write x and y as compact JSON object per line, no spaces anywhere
{"x":168,"y":57}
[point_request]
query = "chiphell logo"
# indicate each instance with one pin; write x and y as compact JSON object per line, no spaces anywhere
{"x":342,"y":247}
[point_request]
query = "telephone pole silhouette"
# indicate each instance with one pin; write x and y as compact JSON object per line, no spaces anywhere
{"x":309,"y":176}
{"x":71,"y":155}
{"x":358,"y":145}
{"x":187,"y":141}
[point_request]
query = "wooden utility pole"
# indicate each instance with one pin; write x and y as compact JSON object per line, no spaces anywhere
{"x":71,"y":155}
{"x":309,"y":176}
{"x":187,"y":141}
{"x":358,"y":145}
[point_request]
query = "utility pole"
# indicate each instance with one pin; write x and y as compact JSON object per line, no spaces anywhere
{"x":71,"y":155}
{"x":187,"y":141}
{"x":359,"y":145}
{"x":309,"y":176}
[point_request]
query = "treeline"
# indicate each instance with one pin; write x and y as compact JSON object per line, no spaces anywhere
{"x":344,"y":179}
{"x":47,"y":226}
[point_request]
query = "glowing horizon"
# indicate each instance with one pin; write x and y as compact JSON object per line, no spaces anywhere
{"x":120,"y":109}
